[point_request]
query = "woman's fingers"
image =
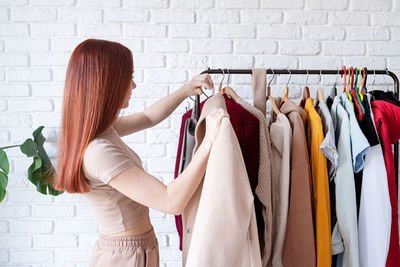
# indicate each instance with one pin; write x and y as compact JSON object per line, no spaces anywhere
{"x":205,"y":81}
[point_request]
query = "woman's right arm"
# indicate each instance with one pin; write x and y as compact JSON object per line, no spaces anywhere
{"x":146,"y":189}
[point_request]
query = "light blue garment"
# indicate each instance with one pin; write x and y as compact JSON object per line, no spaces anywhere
{"x":359,"y":143}
{"x":328,"y":146}
{"x":345,"y":232}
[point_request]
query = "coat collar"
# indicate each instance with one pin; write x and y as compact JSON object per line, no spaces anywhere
{"x":290,"y":106}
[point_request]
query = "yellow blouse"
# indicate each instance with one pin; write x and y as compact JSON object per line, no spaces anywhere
{"x":319,"y":172}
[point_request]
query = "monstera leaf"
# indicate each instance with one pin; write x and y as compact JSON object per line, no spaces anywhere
{"x":41,"y":171}
{"x":4,"y":169}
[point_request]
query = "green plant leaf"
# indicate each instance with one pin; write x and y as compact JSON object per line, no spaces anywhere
{"x":3,"y":185}
{"x":4,"y":163}
{"x":37,"y":163}
{"x":41,"y":171}
{"x":3,"y":180}
{"x":38,"y":136}
{"x":29,"y":147}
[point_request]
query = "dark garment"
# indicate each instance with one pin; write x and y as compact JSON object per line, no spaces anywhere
{"x":387,"y":96}
{"x":247,"y":130}
{"x":246,"y":127}
{"x":180,"y":163}
{"x":386,"y":116}
{"x":358,"y":184}
{"x":367,"y":124}
{"x":329,"y":100}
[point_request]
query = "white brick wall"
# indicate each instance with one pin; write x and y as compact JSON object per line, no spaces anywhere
{"x":169,"y":40}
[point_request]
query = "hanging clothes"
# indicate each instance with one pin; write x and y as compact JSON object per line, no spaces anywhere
{"x":375,"y":211}
{"x":332,"y":187}
{"x":246,"y":128}
{"x":263,"y":189}
{"x":387,"y":96}
{"x":220,"y":216}
{"x":299,"y":245}
{"x":386,"y":116}
{"x":344,"y":237}
{"x":281,"y":141}
{"x":359,"y":147}
{"x":328,"y":148}
{"x":368,"y":129}
{"x":183,"y":158}
{"x":319,"y":173}
{"x":328,"y":145}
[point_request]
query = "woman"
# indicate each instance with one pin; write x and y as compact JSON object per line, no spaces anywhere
{"x":95,"y":161}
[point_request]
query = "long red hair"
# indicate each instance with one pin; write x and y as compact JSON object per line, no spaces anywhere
{"x":97,"y":82}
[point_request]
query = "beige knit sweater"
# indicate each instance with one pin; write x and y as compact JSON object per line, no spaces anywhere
{"x":263,"y":189}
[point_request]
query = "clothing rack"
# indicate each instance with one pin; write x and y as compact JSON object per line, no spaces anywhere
{"x":196,"y":109}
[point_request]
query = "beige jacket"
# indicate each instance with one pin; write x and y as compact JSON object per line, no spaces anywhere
{"x":299,"y":247}
{"x":281,"y":141}
{"x":219,"y":222}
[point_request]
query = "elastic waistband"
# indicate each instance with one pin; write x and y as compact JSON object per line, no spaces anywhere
{"x":145,"y":239}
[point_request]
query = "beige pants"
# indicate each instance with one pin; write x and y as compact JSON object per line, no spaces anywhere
{"x":124,"y":251}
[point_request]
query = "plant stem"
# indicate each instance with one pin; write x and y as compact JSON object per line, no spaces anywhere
{"x":9,"y":146}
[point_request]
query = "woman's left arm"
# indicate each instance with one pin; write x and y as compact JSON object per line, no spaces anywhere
{"x":162,"y":108}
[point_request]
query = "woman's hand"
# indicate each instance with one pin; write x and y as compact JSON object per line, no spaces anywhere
{"x":213,"y":123}
{"x":193,"y":87}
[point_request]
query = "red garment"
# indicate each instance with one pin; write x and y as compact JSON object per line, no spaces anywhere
{"x":387,"y":122}
{"x":246,"y":127}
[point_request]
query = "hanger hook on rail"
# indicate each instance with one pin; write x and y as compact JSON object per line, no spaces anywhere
{"x":320,"y":78}
{"x":290,"y":76}
{"x":305,"y":83}
{"x":229,"y":78}
{"x":373,"y":82}
{"x":273,"y":76}
{"x":223,"y":76}
{"x":337,"y":76}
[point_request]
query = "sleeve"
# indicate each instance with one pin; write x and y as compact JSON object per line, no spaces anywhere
{"x":103,"y":160}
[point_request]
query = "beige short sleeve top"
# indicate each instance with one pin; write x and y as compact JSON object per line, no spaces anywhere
{"x":105,"y":157}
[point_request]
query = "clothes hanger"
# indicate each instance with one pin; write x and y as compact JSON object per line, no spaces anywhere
{"x":347,"y":88}
{"x":269,"y":84}
{"x":320,"y":93}
{"x":306,"y":93}
{"x":357,"y":88}
{"x":229,"y":90}
{"x":334,"y":90}
{"x":220,"y":83}
{"x":271,"y":98}
{"x":354,"y":91}
{"x":360,"y":95}
{"x":306,"y":90}
{"x":364,"y":83}
{"x":353,"y":94}
{"x":286,"y":91}
{"x":344,"y":80}
{"x":273,"y":105}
